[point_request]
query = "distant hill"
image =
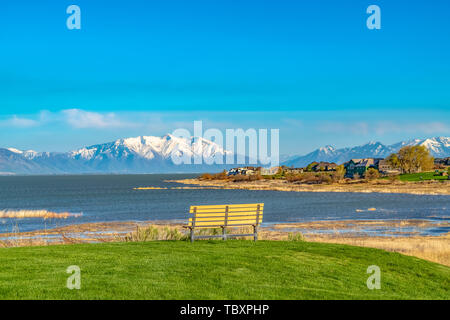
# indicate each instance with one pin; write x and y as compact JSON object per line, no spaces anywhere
{"x":439,"y":147}
{"x":144,"y":154}
{"x":150,"y":154}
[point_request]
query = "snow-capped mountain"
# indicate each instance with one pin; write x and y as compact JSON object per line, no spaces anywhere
{"x":326,"y":152}
{"x":143,"y":154}
{"x":439,"y":147}
{"x":14,"y":162}
{"x":29,"y":154}
{"x":149,"y":154}
{"x":149,"y":147}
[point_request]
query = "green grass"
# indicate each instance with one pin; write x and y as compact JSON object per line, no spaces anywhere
{"x":217,"y":270}
{"x":421,"y":176}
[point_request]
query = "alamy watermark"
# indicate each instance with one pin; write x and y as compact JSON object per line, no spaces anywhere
{"x":74,"y":280}
{"x":239,"y":147}
{"x":374,"y":281}
{"x":374,"y":20}
{"x":74,"y":20}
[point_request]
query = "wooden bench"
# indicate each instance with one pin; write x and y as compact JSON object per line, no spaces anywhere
{"x":225,"y":216}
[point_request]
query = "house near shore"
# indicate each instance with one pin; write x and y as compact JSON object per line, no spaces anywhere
{"x":360,"y":166}
{"x":444,"y":162}
{"x":269,"y":171}
{"x":386,"y":168}
{"x":291,"y":170}
{"x":322,"y":166}
{"x":325,"y":166}
{"x":245,"y":171}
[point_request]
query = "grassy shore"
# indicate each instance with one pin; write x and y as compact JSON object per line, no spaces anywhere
{"x":431,"y":187}
{"x":403,"y":236}
{"x":422,"y":176}
{"x":436,"y":249}
{"x":217,"y":270}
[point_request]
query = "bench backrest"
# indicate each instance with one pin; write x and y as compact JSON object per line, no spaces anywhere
{"x":228,"y":215}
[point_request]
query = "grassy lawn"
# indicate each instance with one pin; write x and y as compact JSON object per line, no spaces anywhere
{"x":421,"y":176}
{"x":217,"y":270}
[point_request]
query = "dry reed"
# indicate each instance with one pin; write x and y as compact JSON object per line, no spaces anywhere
{"x":21,"y":214}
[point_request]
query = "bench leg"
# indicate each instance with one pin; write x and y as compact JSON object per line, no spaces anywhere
{"x":224,"y":233}
{"x":192,"y":235}
{"x":255,"y":230}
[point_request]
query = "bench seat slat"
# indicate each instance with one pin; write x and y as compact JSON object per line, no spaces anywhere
{"x":223,"y":216}
{"x":201,"y":209}
{"x":230,"y":207}
{"x":251,"y":205}
{"x":247,"y":217}
{"x":220,"y":225}
{"x":223,"y":219}
{"x":211,"y":224}
{"x":223,"y":212}
{"x":201,"y":216}
{"x":218,"y":213}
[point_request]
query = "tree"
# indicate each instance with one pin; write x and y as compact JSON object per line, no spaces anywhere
{"x":372,"y":174}
{"x":339,"y":174}
{"x":340,"y":170}
{"x":281,"y":172}
{"x":393,"y":161}
{"x":221,"y":176}
{"x":412,"y":159}
{"x":206,"y":176}
{"x":310,"y":166}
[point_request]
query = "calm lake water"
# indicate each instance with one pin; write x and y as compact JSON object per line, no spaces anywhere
{"x":112,"y":198}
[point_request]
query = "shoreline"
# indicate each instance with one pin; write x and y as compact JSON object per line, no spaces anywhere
{"x":417,"y":188}
{"x":402,"y":236}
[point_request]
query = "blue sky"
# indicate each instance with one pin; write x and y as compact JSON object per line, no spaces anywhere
{"x":309,"y":68}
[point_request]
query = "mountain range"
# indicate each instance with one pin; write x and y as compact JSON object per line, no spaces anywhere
{"x":144,"y":154}
{"x":439,"y":148}
{"x":149,"y":154}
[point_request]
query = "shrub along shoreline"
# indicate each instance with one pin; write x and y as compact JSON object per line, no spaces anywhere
{"x":424,"y":187}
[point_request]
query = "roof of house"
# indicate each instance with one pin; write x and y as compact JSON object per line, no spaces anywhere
{"x":366,"y":162}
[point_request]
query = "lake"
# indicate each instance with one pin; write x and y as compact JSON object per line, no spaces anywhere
{"x":112,"y":198}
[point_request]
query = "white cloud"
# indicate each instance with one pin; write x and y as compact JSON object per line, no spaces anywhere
{"x":161,"y":123}
{"x":384,"y":127}
{"x":359,"y":128}
{"x":18,"y":122}
{"x":293,"y":122}
{"x":78,"y":118}
{"x":434,"y":127}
